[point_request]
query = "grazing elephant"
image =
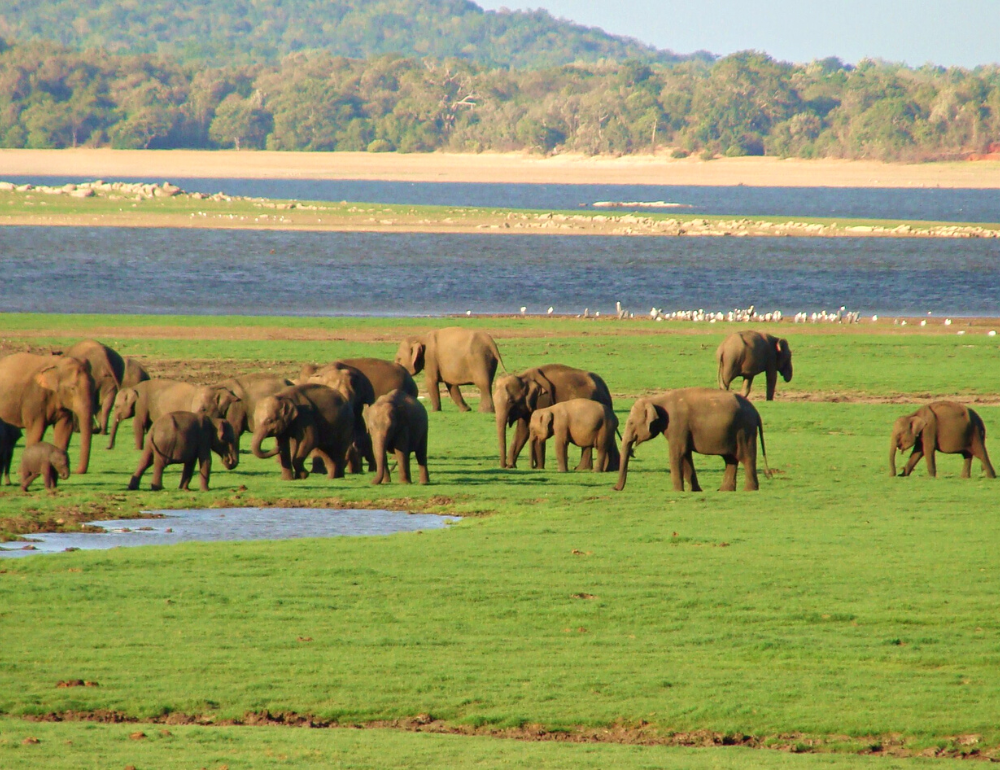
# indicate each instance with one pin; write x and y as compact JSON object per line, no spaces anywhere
{"x":747,"y":354}
{"x":517,"y":396}
{"x":700,"y":420}
{"x":355,"y":386}
{"x":385,"y":376}
{"x":134,"y":373}
{"x":304,"y":418}
{"x":579,"y":421}
{"x":45,"y":460}
{"x":942,"y":426}
{"x":454,"y":356}
{"x":186,"y":438}
{"x":39,"y":391}
{"x":9,"y":436}
{"x":147,"y":401}
{"x":107,"y":368}
{"x":398,"y":423}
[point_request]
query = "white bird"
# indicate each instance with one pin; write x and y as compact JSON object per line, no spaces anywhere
{"x":523,"y":309}
{"x":874,"y":318}
{"x":991,"y":333}
{"x":468,"y":312}
{"x":961,"y":332}
{"x":947,"y":322}
{"x":550,"y":310}
{"x":924,"y":322}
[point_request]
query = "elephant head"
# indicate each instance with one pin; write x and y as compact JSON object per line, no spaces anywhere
{"x":60,"y":462}
{"x":645,"y":421}
{"x":905,"y":433}
{"x":516,"y":397}
{"x":225,"y":443}
{"x":383,"y":422}
{"x":124,"y":408}
{"x":272,"y":417}
{"x":222,"y":403}
{"x":540,"y":429}
{"x":411,"y":355}
{"x":784,"y":359}
{"x":70,"y":388}
{"x":307,"y":371}
{"x":339,"y":380}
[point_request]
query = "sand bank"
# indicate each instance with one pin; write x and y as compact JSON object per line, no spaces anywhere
{"x":494,"y":167}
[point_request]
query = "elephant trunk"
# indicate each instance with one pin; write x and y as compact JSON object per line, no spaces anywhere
{"x":113,"y":430}
{"x":624,"y":456}
{"x":502,"y":413}
{"x":258,"y":438}
{"x":892,"y":456}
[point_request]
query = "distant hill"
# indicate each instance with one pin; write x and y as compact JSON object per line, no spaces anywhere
{"x":242,"y":31}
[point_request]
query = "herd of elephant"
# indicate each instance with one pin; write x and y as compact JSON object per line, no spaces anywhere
{"x":355,"y":411}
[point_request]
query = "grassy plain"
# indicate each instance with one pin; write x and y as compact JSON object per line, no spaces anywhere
{"x":838,"y":610}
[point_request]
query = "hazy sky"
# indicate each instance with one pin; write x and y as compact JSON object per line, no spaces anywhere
{"x":946,"y":32}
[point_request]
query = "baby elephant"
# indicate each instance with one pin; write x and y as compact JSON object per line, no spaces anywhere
{"x":185,"y":437}
{"x":942,"y":426}
{"x":397,"y":423}
{"x":45,"y":460}
{"x":579,"y":421}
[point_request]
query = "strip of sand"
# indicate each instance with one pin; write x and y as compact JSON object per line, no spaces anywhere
{"x":156,"y":165}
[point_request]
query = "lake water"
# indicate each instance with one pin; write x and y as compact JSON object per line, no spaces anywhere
{"x":111,"y":270}
{"x":929,"y":204}
{"x":217,"y":524}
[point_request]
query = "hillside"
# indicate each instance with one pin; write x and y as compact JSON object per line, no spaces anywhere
{"x":223,"y":31}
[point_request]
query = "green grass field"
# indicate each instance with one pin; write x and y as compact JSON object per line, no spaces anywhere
{"x":837,"y":610}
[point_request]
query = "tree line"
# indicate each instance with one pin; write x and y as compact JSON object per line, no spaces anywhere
{"x":744,"y":104}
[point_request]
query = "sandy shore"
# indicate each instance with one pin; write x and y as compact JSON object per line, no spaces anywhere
{"x":158,"y":165}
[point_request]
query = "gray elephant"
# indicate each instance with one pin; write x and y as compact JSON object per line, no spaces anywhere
{"x":454,"y":356}
{"x":517,"y":396}
{"x":397,"y":423}
{"x":39,"y":391}
{"x":384,"y":376}
{"x":108,"y":369}
{"x":9,"y":436}
{"x":303,"y":419}
{"x":354,"y":385}
{"x":186,"y":438}
{"x":134,"y":373}
{"x":941,"y":426}
{"x":45,"y":460}
{"x":702,"y":420}
{"x":220,"y":399}
{"x":747,"y":354}
{"x":579,"y":421}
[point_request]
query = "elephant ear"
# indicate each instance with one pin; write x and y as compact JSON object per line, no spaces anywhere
{"x":48,"y":378}
{"x":287,"y":412}
{"x":417,"y":356}
{"x":651,"y":417}
{"x":917,"y":425}
{"x":533,"y":394}
{"x":221,"y":429}
{"x":547,"y":420}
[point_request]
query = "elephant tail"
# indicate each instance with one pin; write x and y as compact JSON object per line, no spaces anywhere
{"x":496,"y":352}
{"x":763,"y":449}
{"x":165,"y":452}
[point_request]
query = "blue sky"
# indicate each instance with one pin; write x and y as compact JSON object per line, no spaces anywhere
{"x":947,"y":32}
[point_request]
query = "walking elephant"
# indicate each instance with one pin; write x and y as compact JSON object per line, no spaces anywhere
{"x":454,"y":356}
{"x":747,"y":354}
{"x":304,"y":418}
{"x":384,"y":376}
{"x":147,"y":401}
{"x":517,"y":396}
{"x":107,"y":368}
{"x":702,"y":420}
{"x":942,"y":426}
{"x":580,"y":421}
{"x":398,"y":423}
{"x":39,"y":391}
{"x":45,"y":460}
{"x":186,"y":438}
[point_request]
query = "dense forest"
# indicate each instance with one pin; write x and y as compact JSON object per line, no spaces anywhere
{"x":245,"y":31}
{"x":745,"y":104}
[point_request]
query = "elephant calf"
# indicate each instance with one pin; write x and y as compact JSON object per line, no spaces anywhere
{"x":397,"y":423}
{"x":45,"y":460}
{"x":579,"y":421}
{"x":186,"y":438}
{"x":942,"y":426}
{"x":9,"y":436}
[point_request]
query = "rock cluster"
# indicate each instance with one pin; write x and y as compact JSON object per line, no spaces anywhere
{"x":99,"y":187}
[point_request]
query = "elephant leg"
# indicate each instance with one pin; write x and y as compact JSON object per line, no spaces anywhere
{"x":159,"y":464}
{"x":517,"y":443}
{"x":915,"y":457}
{"x":751,"y":482}
{"x":677,"y":467}
{"x":456,"y":396}
{"x":747,"y":383}
{"x":49,"y":475}
{"x":354,"y":465}
{"x":433,"y":389}
{"x":138,"y":428}
{"x":979,"y":452}
{"x":26,"y":480}
{"x":187,"y":473}
{"x":729,"y":475}
{"x":420,"y":451}
{"x":403,"y":463}
{"x":34,"y":433}
{"x":562,"y":453}
{"x":62,"y":431}
{"x":772,"y":382}
{"x":586,"y":459}
{"x":145,"y":460}
{"x":537,"y":449}
{"x":966,"y":465}
{"x":205,"y":469}
{"x":602,"y":459}
{"x":102,"y":422}
{"x":931,"y":461}
{"x":285,"y":459}
{"x":485,"y":395}
{"x":690,"y":474}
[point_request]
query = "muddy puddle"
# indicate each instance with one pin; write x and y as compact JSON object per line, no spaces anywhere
{"x":209,"y":525}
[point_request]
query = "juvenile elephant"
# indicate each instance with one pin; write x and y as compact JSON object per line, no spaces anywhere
{"x":517,"y":396}
{"x":942,"y":426}
{"x":9,"y":436}
{"x":454,"y":356}
{"x":39,"y":391}
{"x":580,"y":421}
{"x":702,"y":420}
{"x":747,"y":354}
{"x":398,"y":423}
{"x":384,"y":376}
{"x":186,"y":438}
{"x":107,"y":368}
{"x":147,"y":401}
{"x":45,"y":460}
{"x":355,"y":386}
{"x":304,"y":418}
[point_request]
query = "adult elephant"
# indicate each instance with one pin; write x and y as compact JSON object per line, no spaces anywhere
{"x":701,"y":420}
{"x":454,"y":356}
{"x":384,"y":376}
{"x":39,"y":391}
{"x":235,"y":399}
{"x":147,"y":401}
{"x":941,"y":426}
{"x":134,"y":373}
{"x":304,"y":419}
{"x":747,"y":354}
{"x":351,"y":383}
{"x":107,"y":368}
{"x":517,"y":396}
